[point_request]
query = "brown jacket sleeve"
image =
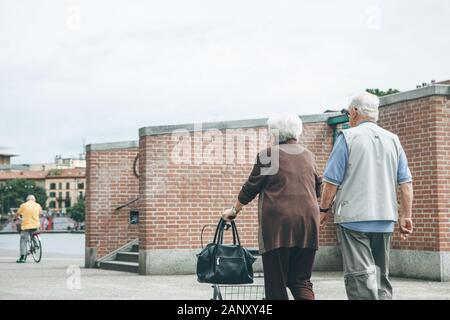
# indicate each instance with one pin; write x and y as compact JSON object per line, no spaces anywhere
{"x":254,"y":184}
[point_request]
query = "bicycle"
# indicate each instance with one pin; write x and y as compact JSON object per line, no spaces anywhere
{"x":34,"y":246}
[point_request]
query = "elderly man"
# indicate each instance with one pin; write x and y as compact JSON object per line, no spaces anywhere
{"x":362,"y":174}
{"x":30,"y":212}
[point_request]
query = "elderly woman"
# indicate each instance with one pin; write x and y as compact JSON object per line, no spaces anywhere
{"x":286,"y":180}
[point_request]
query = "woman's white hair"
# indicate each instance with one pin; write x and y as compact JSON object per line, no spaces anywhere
{"x":367,"y":105}
{"x":285,"y":127}
{"x":31,"y":197}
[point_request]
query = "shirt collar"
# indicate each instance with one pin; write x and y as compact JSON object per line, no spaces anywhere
{"x":366,"y":121}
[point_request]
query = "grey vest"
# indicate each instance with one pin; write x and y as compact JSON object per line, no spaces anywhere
{"x":369,"y":189}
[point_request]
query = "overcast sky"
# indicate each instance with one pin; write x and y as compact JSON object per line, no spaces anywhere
{"x":99,"y":70}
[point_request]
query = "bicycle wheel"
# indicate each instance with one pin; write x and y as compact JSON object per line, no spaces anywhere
{"x":36,"y":248}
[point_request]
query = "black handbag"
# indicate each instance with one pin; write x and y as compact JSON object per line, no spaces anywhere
{"x":225,"y":264}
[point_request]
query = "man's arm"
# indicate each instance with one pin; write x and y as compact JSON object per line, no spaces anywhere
{"x":405,"y":223}
{"x":328,"y":193}
{"x":333,"y":176}
{"x":404,"y":178}
{"x":18,"y":213}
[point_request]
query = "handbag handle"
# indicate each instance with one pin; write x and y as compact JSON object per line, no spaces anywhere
{"x":235,"y":234}
{"x":222,"y":226}
{"x":217,"y":233}
{"x":218,"y":236}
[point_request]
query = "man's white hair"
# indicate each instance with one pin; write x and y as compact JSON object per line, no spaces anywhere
{"x":31,"y":197}
{"x":286,"y":126}
{"x":367,"y":105}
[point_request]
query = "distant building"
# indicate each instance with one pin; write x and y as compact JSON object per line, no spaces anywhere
{"x":36,"y":176}
{"x":64,"y":188}
{"x":5,"y":160}
{"x":63,"y":180}
{"x":59,"y":163}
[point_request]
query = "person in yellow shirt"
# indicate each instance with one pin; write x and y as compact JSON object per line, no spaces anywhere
{"x":30,"y":212}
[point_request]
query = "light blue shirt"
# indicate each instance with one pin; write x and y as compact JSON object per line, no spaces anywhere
{"x":335,"y":173}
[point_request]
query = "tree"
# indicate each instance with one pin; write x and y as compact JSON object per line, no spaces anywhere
{"x":14,"y":192}
{"x":381,"y":93}
{"x":77,"y":212}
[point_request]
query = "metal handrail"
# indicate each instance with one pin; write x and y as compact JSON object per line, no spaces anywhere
{"x":126,"y":204}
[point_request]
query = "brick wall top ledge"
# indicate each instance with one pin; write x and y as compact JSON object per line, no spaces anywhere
{"x":434,"y":90}
{"x":112,"y":145}
{"x":233,"y":124}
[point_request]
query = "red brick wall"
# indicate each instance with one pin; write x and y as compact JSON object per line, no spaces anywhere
{"x":110,"y":184}
{"x":423,"y":128}
{"x":179,"y":199}
{"x":443,"y":165}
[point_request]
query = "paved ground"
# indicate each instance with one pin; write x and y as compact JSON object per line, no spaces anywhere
{"x":56,"y":277}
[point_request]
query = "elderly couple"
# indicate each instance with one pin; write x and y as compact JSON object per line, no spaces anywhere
{"x":360,"y":181}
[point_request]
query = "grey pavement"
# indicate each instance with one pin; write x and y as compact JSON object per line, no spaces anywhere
{"x":61,"y":275}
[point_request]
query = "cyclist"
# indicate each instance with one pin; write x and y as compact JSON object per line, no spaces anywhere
{"x":30,"y":212}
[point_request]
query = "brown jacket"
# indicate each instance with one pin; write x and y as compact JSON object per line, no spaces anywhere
{"x":288,"y":209}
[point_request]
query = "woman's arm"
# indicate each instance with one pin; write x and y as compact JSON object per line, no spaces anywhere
{"x":231,"y":213}
{"x":251,"y":188}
